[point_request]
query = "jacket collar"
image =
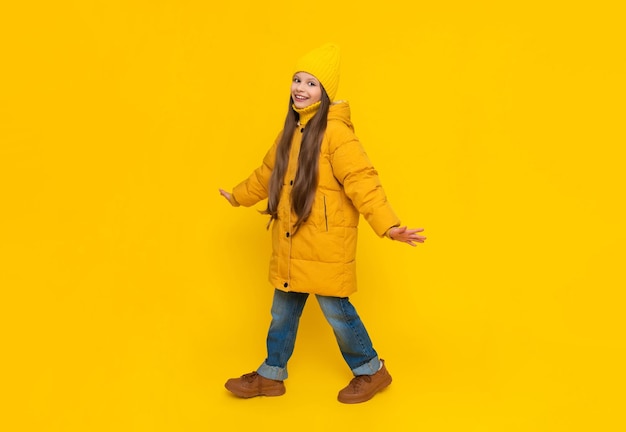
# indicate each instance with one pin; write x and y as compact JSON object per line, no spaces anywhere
{"x":306,"y":113}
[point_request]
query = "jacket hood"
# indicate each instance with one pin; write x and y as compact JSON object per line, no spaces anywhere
{"x":340,"y":110}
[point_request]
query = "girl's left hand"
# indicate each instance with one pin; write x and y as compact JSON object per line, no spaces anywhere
{"x":407,"y":235}
{"x":229,"y":197}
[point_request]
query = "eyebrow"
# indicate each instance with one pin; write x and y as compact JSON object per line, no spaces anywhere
{"x":312,"y":79}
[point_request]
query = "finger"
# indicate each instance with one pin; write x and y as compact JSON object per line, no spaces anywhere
{"x":415,"y":230}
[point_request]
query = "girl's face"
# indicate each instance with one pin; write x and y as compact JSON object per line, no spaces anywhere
{"x":305,"y":90}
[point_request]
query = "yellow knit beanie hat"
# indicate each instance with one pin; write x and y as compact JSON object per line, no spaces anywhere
{"x":323,"y":64}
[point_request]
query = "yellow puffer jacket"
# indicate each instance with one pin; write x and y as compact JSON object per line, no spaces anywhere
{"x":320,"y":257}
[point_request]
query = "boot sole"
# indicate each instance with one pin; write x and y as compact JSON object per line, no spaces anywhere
{"x":250,"y":394}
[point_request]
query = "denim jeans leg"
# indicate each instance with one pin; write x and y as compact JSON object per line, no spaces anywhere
{"x":281,"y":338}
{"x":354,"y":341}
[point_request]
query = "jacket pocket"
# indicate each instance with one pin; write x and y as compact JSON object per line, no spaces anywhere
{"x":320,"y":214}
{"x":325,"y":214}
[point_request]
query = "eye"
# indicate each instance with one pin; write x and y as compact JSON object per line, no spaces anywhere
{"x":312,"y":84}
{"x":296,"y":79}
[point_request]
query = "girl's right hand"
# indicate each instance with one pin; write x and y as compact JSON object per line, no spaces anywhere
{"x":229,"y":197}
{"x":407,"y":235}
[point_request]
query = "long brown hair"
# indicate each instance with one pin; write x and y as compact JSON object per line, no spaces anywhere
{"x":305,"y":183}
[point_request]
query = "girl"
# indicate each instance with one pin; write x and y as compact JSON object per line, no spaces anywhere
{"x":317,"y":179}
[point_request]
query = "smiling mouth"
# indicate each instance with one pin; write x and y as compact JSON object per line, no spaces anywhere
{"x":300,"y":98}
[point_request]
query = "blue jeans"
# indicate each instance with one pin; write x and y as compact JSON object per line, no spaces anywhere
{"x":354,"y":342}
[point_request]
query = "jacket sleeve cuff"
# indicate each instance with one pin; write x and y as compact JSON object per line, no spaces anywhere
{"x":388,"y":232}
{"x":383,"y":220}
{"x":233,"y":201}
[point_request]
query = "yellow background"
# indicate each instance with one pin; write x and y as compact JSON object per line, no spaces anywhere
{"x":131,"y":290}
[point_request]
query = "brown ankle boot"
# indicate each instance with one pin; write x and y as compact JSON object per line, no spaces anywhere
{"x":253,"y":384}
{"x":363,"y":387}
